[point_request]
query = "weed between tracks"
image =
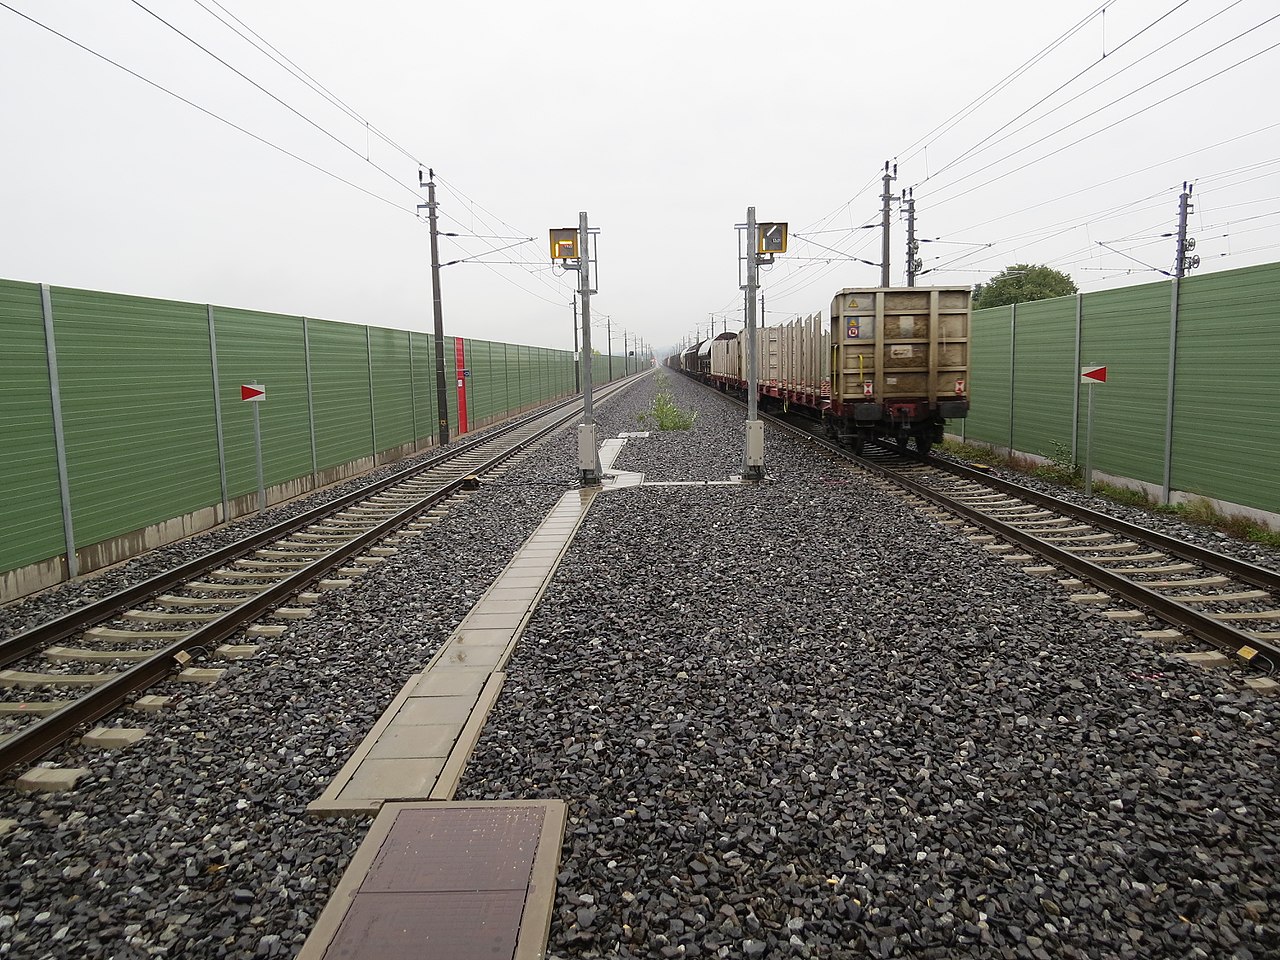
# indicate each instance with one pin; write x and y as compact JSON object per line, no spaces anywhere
{"x":1061,"y":469}
{"x":666,"y":414}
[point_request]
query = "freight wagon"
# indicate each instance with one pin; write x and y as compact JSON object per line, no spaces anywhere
{"x":899,"y":363}
{"x":888,"y":363}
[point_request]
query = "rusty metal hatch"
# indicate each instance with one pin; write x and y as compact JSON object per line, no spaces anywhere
{"x":447,"y":882}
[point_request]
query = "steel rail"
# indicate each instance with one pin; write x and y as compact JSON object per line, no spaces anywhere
{"x":41,"y":736}
{"x":20,"y":645}
{"x":1240,"y":569}
{"x":1200,"y":625}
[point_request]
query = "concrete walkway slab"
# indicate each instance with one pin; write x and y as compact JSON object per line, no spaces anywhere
{"x":444,"y":681}
{"x":424,"y":741}
{"x":418,"y":748}
{"x":615,"y":479}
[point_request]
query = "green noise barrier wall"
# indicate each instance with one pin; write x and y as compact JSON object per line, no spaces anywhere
{"x":122,"y":425}
{"x":1191,"y":405}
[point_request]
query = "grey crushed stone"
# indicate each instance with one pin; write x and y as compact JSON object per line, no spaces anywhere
{"x":865,"y":736}
{"x":194,"y":842}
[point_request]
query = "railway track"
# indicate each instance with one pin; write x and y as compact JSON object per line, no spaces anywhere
{"x":78,"y":667}
{"x":1204,"y":594}
{"x":1229,"y":603}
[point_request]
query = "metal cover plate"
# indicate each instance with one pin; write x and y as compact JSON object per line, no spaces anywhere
{"x":457,"y":850}
{"x":409,"y":926}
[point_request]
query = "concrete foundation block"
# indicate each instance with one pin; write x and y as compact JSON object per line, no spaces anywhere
{"x":50,"y":779}
{"x":150,"y":703}
{"x":1207,"y":659}
{"x":201,"y":675}
{"x":113,"y":738}
{"x":266,"y":630}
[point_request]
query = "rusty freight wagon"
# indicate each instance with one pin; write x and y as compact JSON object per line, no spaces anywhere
{"x":899,"y":363}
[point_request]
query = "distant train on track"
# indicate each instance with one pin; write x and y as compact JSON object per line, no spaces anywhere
{"x":889,"y":363}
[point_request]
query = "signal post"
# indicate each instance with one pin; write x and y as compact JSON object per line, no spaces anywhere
{"x":764,"y":240}
{"x":572,"y":248}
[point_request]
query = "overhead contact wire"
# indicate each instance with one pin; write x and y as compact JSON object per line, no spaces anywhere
{"x":206,"y":111}
{"x":288,"y":106}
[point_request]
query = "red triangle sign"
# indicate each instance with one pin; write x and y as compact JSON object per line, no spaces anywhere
{"x":1096,"y":374}
{"x":252,"y":391}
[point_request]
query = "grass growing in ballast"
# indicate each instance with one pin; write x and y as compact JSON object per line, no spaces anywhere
{"x":1060,"y":469}
{"x":666,"y":414}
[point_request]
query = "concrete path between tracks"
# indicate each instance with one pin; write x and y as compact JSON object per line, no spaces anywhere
{"x":437,"y":878}
{"x":418,"y":748}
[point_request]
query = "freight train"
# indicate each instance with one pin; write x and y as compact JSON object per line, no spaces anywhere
{"x":888,"y":363}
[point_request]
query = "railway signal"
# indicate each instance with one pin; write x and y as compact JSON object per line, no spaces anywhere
{"x":564,"y":243}
{"x":255,"y":393}
{"x":1091,"y":376}
{"x":772,"y":238}
{"x":764,"y":241}
{"x":572,"y":248}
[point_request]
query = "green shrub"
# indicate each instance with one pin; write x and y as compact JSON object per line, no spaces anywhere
{"x":668,"y":416}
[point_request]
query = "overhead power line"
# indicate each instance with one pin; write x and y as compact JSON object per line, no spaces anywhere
{"x":934,"y":134}
{"x":207,"y":112}
{"x":314,"y":84}
{"x":272,"y":52}
{"x":255,"y":39}
{"x":1134,"y":259}
{"x":472,"y":205}
{"x":288,"y":106}
{"x":989,"y":141}
{"x":1049,"y":233}
{"x":1133,"y":173}
{"x":1115,"y":123}
{"x":942,"y":128}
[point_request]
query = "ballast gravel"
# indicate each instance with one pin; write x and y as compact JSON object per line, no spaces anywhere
{"x":29,"y":611}
{"x":802,"y":720}
{"x":194,"y":842}
{"x":862,"y":737}
{"x":1168,"y":524}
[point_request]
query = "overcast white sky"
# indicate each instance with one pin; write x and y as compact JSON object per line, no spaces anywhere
{"x":663,"y":120}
